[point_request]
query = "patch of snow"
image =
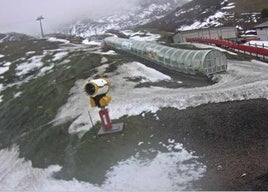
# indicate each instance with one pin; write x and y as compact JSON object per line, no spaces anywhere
{"x":195,"y":25}
{"x":7,"y":64}
{"x":205,"y":46}
{"x":87,"y":42}
{"x":229,"y":6}
{"x":172,"y":171}
{"x":212,"y":20}
{"x":147,"y":37}
{"x":140,"y":143}
{"x":3,"y":70}
{"x":1,"y":97}
{"x":33,"y":63}
{"x":110,"y":52}
{"x":60,"y":55}
{"x":167,"y":172}
{"x":54,"y":39}
{"x":263,"y":44}
{"x":30,"y":53}
{"x":18,"y":94}
{"x":136,"y":70}
{"x":180,"y":12}
{"x":156,"y":117}
{"x":46,"y":69}
{"x":128,"y":32}
{"x":104,"y":60}
{"x":1,"y":56}
{"x":5,"y":67}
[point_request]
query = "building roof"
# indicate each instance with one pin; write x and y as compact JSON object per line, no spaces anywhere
{"x":262,"y":25}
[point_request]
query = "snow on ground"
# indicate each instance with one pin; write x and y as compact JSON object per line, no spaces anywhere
{"x":5,"y":67}
{"x":1,"y":89}
{"x":104,"y":60}
{"x":229,"y":6}
{"x":3,"y":70}
{"x":212,"y":20}
{"x":243,"y":80}
{"x":46,"y":69}
{"x":110,"y":52}
{"x":60,"y":55}
{"x":205,"y":46}
{"x":141,"y":35}
{"x":258,"y":43}
{"x":146,"y":37}
{"x":30,"y":53}
{"x":1,"y":56}
{"x":87,"y":42}
{"x":33,"y":63}
{"x":18,"y":94}
{"x":54,"y":39}
{"x":147,"y":74}
{"x":133,"y":174}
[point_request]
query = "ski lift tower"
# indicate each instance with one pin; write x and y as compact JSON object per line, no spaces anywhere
{"x":40,"y":18}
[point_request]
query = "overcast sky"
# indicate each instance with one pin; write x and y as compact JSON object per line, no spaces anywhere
{"x":20,"y":15}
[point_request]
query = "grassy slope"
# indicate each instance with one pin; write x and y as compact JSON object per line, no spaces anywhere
{"x":24,"y":119}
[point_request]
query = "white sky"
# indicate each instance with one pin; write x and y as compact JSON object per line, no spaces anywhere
{"x":20,"y":15}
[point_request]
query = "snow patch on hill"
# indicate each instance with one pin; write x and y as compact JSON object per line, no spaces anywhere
{"x":172,"y":171}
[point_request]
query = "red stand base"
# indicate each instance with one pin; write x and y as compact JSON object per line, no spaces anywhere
{"x":107,"y":126}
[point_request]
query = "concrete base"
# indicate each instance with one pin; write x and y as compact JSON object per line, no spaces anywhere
{"x":116,"y":128}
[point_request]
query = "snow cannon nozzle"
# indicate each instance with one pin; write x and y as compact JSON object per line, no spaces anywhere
{"x":97,"y":89}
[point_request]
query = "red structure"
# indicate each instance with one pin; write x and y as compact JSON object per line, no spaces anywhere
{"x":252,"y":50}
{"x":105,"y":119}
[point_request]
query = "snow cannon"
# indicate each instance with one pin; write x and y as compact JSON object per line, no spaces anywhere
{"x":97,"y":90}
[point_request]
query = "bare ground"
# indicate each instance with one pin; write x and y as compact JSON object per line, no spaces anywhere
{"x":231,"y":139}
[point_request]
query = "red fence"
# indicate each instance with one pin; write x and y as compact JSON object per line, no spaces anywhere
{"x":258,"y":51}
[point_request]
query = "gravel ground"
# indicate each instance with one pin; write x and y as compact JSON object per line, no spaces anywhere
{"x":231,"y":138}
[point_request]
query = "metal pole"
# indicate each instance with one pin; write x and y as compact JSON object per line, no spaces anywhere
{"x":90,"y":119}
{"x":41,"y":27}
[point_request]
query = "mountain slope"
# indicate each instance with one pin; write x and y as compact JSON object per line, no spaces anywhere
{"x":205,"y":13}
{"x":146,"y":12}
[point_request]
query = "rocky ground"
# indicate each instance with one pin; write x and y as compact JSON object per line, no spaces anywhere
{"x":231,"y":138}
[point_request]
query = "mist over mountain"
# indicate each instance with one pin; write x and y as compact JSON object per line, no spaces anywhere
{"x":83,"y":18}
{"x":20,"y":16}
{"x":173,"y":15}
{"x":144,"y":12}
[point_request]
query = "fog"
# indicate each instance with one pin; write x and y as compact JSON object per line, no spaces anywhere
{"x":20,"y":15}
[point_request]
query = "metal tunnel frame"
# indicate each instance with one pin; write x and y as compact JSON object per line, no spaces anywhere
{"x":204,"y":62}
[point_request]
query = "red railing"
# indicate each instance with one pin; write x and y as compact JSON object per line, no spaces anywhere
{"x":258,"y":51}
